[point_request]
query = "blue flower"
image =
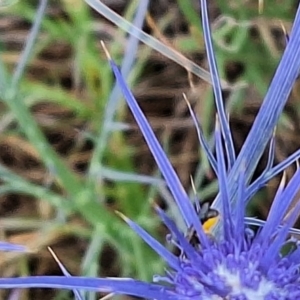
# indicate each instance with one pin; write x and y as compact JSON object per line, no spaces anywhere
{"x":235,"y":263}
{"x":240,"y":265}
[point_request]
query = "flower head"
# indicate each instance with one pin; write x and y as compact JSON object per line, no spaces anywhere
{"x":238,"y":263}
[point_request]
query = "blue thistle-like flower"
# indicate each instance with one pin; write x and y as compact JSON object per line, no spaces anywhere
{"x":238,"y":263}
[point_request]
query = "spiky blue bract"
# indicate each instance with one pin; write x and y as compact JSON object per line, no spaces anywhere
{"x":267,"y":118}
{"x":5,"y":246}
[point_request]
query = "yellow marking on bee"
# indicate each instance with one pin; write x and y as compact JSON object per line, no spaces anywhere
{"x":211,"y":222}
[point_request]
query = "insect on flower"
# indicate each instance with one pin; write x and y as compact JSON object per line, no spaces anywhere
{"x":208,"y":217}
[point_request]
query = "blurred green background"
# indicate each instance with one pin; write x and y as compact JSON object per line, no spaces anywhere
{"x":70,"y":152}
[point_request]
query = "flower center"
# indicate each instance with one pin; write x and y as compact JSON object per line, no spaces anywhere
{"x":245,"y":282}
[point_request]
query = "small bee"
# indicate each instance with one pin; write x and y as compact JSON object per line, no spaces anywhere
{"x":208,"y":218}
